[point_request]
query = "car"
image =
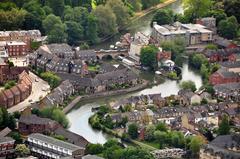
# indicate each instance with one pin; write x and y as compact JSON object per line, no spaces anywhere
{"x":30,"y":100}
{"x":36,"y":80}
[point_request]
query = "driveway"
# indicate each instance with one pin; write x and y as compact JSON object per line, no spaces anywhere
{"x":40,"y":89}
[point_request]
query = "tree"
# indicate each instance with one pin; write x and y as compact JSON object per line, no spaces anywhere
{"x":6,"y":119}
{"x":136,"y":5}
{"x":51,"y":78}
{"x":224,"y":127}
{"x":188,"y":85}
{"x":75,"y":33}
{"x":163,"y":16}
{"x":149,"y":133}
{"x":160,"y":137}
{"x":22,"y":150}
{"x":106,"y":20}
{"x":56,"y":114}
{"x":195,"y":145}
{"x":94,"y":148}
{"x":204,"y":72}
{"x":161,"y":127}
{"x":196,"y":9}
{"x":17,"y":137}
{"x":197,"y":60}
{"x":57,"y":6}
{"x":133,"y":130}
{"x":232,"y":8}
{"x":149,"y":3}
{"x":228,"y":28}
{"x":148,"y":56}
{"x":50,"y":21}
{"x":12,"y":20}
{"x":91,"y":30}
{"x":120,"y":11}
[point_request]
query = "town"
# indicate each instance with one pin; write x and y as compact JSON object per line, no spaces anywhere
{"x":119,"y":79}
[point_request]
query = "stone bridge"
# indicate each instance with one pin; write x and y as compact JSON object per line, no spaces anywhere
{"x":111,"y":53}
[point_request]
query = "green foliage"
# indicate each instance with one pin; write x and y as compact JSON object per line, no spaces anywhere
{"x":197,"y":60}
{"x":94,"y":149}
{"x":163,"y":16}
{"x":56,"y":114}
{"x":161,"y":127}
{"x":224,"y":127}
{"x":228,"y":28}
{"x":120,"y":11}
{"x":149,"y":133}
{"x":148,"y":56}
{"x":196,"y":9}
{"x":107,"y":20}
{"x":12,"y":19}
{"x":149,"y":3}
{"x":16,"y":136}
{"x":135,"y":5}
{"x":172,"y":75}
{"x":6,"y":119}
{"x":133,"y":130}
{"x":35,"y":45}
{"x":232,"y":8}
{"x":195,"y":145}
{"x":59,"y":137}
{"x":188,"y":85}
{"x":22,"y":150}
{"x":211,"y":47}
{"x":75,"y":33}
{"x":51,"y":78}
{"x":9,"y":84}
{"x":177,"y":48}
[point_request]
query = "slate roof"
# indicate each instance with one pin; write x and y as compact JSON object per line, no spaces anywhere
{"x":72,"y":137}
{"x":231,"y":64}
{"x":34,"y":119}
{"x":53,"y":141}
{"x":91,"y":157}
{"x":5,"y":132}
{"x":86,"y":55}
{"x":226,"y":74}
{"x":6,"y":139}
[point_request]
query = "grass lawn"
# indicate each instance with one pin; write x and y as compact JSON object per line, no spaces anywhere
{"x":144,"y":145}
{"x":93,"y":68}
{"x":153,"y":144}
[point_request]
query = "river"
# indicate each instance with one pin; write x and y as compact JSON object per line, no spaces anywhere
{"x":79,"y":116}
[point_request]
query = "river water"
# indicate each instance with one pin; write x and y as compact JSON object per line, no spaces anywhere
{"x":79,"y":116}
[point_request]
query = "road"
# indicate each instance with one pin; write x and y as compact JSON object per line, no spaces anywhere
{"x":36,"y":95}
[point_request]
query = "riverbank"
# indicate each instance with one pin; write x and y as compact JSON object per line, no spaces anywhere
{"x":72,"y":104}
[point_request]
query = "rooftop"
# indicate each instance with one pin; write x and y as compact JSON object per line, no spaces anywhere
{"x":54,"y":141}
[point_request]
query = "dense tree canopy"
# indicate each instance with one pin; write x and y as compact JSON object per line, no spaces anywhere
{"x":163,"y":16}
{"x":148,"y":56}
{"x":228,"y":28}
{"x":188,"y":85}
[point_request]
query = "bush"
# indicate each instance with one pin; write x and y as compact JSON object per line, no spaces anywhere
{"x":188,"y":85}
{"x":51,"y":78}
{"x":94,"y":149}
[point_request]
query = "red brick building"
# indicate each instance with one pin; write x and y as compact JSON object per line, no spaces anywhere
{"x":164,"y":55}
{"x":21,"y":36}
{"x":222,"y":55}
{"x":29,"y":124}
{"x":6,"y":147}
{"x":18,"y":93}
{"x":16,"y":48}
{"x":222,"y":76}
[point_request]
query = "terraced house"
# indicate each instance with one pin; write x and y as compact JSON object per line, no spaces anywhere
{"x":61,"y":58}
{"x":47,"y":147}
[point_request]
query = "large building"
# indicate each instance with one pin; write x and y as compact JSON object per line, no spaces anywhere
{"x":48,"y":147}
{"x":61,"y":58}
{"x":18,"y":93}
{"x":23,"y":36}
{"x":223,"y":147}
{"x":192,"y":33}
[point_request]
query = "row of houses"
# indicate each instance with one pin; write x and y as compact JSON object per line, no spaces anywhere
{"x":18,"y":93}
{"x":191,"y":118}
{"x":62,"y":58}
{"x":228,"y":73}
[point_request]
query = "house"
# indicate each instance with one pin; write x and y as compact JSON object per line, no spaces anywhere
{"x":33,"y":124}
{"x":71,"y":137}
{"x":7,"y":145}
{"x":23,"y":36}
{"x":61,"y":58}
{"x":209,"y":23}
{"x":220,"y":55}
{"x":159,"y":100}
{"x":225,"y":43}
{"x":59,"y":94}
{"x":47,"y":147}
{"x":192,"y":33}
{"x":224,"y":146}
{"x":229,"y":91}
{"x":231,"y":66}
{"x":223,"y":76}
{"x":16,"y":48}
{"x":187,"y":97}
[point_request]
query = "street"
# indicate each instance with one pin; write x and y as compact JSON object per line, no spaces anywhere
{"x":40,"y":89}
